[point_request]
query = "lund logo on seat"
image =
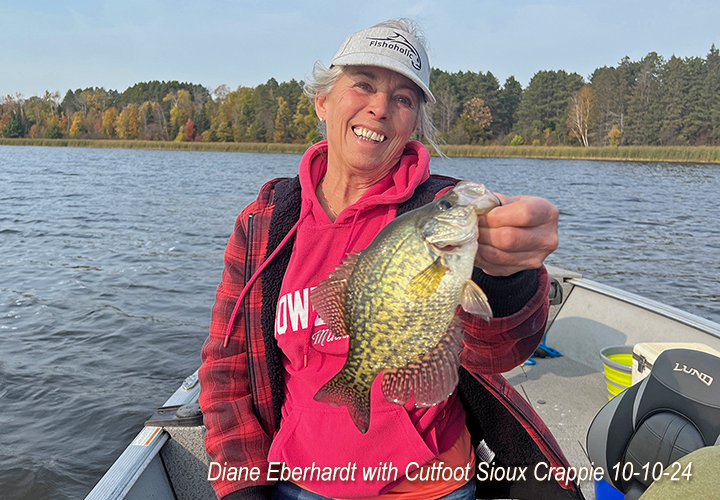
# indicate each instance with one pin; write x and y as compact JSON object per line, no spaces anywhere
{"x":704,"y":378}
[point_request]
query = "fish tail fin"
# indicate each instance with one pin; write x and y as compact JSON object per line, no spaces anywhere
{"x":337,"y":393}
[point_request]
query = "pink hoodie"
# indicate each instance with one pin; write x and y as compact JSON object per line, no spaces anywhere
{"x":314,"y":433}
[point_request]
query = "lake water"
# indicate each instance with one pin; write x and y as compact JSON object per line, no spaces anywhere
{"x":109,"y":260}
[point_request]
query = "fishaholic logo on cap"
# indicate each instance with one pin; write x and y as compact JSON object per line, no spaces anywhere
{"x":400,"y":44}
{"x":388,"y":47}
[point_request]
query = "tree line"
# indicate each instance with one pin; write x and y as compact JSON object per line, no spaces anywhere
{"x":652,"y":101}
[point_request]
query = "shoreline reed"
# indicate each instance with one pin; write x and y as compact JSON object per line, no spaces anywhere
{"x":690,"y":154}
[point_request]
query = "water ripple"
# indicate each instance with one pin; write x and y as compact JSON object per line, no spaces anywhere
{"x":110,"y":259}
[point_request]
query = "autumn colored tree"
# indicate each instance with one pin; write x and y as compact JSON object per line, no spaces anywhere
{"x":224,"y":131}
{"x":181,"y":110}
{"x":109,"y":118}
{"x":152,"y":121}
{"x":133,"y":122}
{"x":579,"y":114}
{"x":122,"y":123}
{"x":78,"y":124}
{"x":283,"y":118}
{"x":64,"y":122}
{"x":13,"y":120}
{"x":190,"y":130}
{"x":98,"y":99}
{"x":54,"y":129}
{"x":93,"y":122}
{"x":476,"y":120}
{"x":39,"y":111}
{"x":305,"y":121}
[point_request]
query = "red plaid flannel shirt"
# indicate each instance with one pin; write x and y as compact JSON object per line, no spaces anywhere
{"x":236,"y":397}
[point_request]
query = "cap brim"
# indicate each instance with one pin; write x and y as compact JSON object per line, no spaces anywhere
{"x":370,"y":59}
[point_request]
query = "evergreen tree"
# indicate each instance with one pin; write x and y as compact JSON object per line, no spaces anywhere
{"x":15,"y":127}
{"x":644,"y":105}
{"x":675,"y":92}
{"x":710,"y":99}
{"x":510,"y":96}
{"x":54,"y":131}
{"x":544,"y":104}
{"x":612,"y":91}
{"x":202,"y":122}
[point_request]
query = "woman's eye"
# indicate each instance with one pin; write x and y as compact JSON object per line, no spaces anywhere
{"x":405,"y":100}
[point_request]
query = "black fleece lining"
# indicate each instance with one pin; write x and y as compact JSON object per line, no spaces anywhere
{"x":487,"y":418}
{"x":285,"y":214}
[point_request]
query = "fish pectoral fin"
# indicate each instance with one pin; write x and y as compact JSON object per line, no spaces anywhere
{"x":425,"y":283}
{"x":337,"y":393}
{"x":328,"y":297}
{"x":432,"y":379}
{"x":475,"y":301}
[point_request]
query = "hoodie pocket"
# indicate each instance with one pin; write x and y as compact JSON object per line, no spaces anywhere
{"x":335,"y":459}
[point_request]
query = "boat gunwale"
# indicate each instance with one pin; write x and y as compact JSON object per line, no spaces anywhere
{"x":122,"y":475}
{"x":705,"y":325}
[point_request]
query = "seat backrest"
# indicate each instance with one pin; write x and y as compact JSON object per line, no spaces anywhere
{"x":672,"y":412}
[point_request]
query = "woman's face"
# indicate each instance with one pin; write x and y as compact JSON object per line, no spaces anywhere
{"x":371,"y":114}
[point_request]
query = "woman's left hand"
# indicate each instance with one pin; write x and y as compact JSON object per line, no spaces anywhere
{"x":516,"y":236}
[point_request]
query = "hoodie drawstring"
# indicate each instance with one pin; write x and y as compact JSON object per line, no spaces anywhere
{"x":257,"y":274}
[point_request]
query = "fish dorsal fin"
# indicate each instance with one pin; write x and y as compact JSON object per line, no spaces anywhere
{"x":475,"y":301}
{"x":424,"y":284}
{"x":327,"y":298}
{"x":433,"y":378}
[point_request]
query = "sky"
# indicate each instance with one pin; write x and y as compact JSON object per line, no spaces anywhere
{"x":61,"y":45}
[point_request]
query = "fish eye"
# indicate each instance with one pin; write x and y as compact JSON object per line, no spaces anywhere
{"x":444,"y":204}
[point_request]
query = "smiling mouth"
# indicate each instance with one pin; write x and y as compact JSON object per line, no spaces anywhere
{"x":368,"y":135}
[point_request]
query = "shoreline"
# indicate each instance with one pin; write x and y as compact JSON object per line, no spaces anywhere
{"x":686,"y":154}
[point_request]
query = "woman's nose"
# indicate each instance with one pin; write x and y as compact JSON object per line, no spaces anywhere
{"x":379,"y":105}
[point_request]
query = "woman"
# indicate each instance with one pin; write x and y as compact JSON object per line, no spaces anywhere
{"x":265,"y":358}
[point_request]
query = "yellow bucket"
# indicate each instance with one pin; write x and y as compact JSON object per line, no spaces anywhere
{"x":617,"y":361}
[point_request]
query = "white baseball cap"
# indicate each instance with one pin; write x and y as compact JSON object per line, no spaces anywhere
{"x":389,"y":48}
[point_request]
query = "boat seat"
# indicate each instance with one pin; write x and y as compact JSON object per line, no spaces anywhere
{"x":674,"y":411}
{"x":703,"y":483}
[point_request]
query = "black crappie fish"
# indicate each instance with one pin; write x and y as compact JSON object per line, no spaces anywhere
{"x":396,"y":300}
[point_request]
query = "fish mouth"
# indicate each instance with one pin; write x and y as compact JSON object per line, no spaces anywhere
{"x":453,"y":245}
{"x":368,"y":135}
{"x":447,"y":248}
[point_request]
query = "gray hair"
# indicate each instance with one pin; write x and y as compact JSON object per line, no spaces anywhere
{"x":323,"y":81}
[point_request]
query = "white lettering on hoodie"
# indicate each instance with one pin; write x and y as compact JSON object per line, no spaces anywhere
{"x":294,"y":310}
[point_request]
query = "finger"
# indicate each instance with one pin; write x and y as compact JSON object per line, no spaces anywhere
{"x":542,"y":238}
{"x":521,"y":211}
{"x":504,"y":200}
